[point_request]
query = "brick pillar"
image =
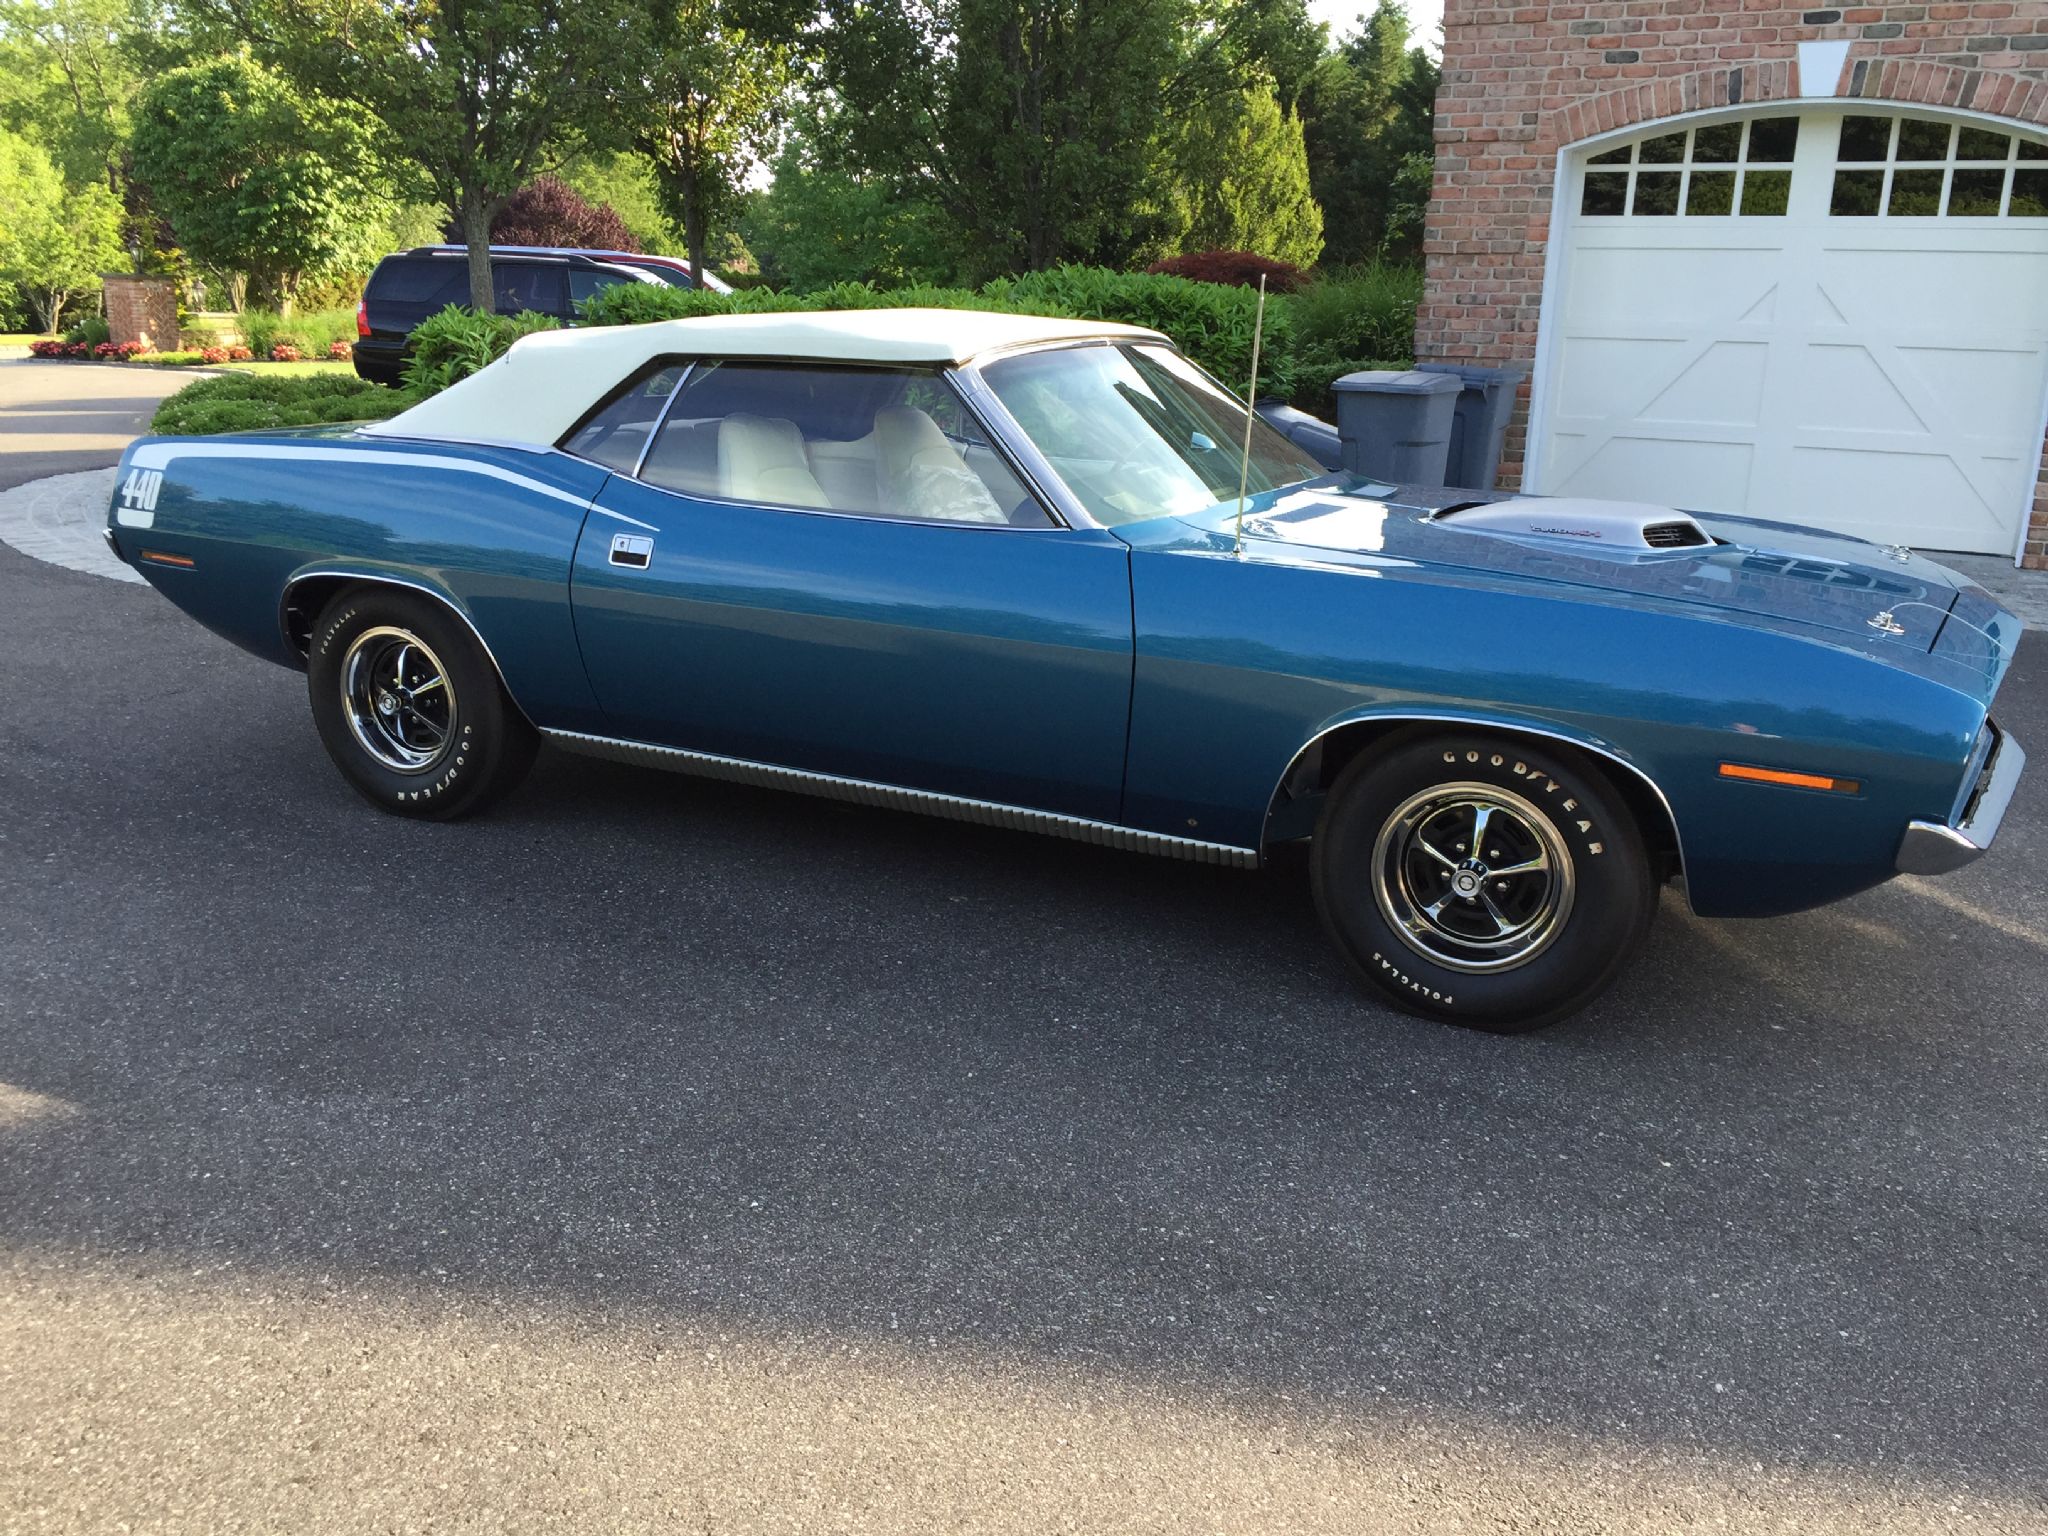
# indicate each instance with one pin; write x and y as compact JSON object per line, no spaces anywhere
{"x":143,"y":309}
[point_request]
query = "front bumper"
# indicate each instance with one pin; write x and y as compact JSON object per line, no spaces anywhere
{"x":1934,"y":847}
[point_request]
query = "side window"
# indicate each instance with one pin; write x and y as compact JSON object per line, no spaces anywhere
{"x":423,"y":280}
{"x":583,"y":282}
{"x":517,"y":286}
{"x":877,"y":442}
{"x":616,"y":432}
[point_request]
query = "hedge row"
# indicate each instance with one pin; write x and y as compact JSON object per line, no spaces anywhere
{"x":1207,"y":320}
{"x":1340,"y":322}
{"x":247,"y":402}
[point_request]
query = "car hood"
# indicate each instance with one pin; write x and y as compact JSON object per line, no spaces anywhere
{"x":1776,"y":570}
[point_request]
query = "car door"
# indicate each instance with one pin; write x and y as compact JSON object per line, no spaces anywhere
{"x":831,"y":569}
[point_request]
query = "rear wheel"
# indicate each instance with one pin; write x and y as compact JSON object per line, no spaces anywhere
{"x":410,"y":707}
{"x":1478,"y":881}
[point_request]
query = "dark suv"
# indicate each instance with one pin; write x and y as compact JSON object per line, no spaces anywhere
{"x":411,"y":285}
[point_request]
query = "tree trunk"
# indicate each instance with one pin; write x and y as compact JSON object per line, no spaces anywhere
{"x":475,"y":218}
{"x":49,"y":307}
{"x":693,"y":223}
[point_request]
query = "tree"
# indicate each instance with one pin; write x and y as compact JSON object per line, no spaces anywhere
{"x":1244,"y":174}
{"x":55,"y":240}
{"x":704,"y":109}
{"x":626,"y":182}
{"x":66,"y":80}
{"x":548,"y":211}
{"x":254,"y":176}
{"x":1368,"y":112}
{"x":816,"y":224}
{"x":1037,"y":127}
{"x":474,"y":92}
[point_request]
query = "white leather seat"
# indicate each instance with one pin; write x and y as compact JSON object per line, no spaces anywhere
{"x":761,"y":458}
{"x":919,"y":472}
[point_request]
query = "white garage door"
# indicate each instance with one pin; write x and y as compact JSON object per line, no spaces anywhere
{"x":1828,"y":316}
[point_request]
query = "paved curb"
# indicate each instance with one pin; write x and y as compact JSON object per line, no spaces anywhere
{"x":59,"y":520}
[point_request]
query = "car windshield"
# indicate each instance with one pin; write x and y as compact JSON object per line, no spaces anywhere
{"x":1139,"y":431}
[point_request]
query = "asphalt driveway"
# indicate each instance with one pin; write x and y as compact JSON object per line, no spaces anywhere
{"x":58,"y":418}
{"x":655,"y":1154}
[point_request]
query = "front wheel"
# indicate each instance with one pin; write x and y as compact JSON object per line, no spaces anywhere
{"x":1477,"y":881}
{"x":410,"y":707}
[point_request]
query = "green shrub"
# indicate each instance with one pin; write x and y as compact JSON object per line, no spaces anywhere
{"x":172,"y":359}
{"x":458,"y":342}
{"x":1366,"y":311}
{"x":311,"y":331}
{"x":247,"y":402}
{"x":92,"y":330}
{"x":1211,"y":323}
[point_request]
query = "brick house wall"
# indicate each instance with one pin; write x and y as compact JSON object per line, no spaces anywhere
{"x":1522,"y":82}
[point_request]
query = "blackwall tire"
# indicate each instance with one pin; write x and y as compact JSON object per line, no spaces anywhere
{"x":1507,"y":930}
{"x":410,"y":707}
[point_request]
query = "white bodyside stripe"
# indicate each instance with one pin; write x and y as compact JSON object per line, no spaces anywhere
{"x":159,"y":455}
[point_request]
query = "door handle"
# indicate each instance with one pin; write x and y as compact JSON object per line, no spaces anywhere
{"x":632,"y":550}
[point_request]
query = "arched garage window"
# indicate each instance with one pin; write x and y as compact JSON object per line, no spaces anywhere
{"x":1917,"y":167}
{"x":1696,"y":172}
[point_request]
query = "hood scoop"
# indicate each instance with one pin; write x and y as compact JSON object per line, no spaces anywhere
{"x":1572,"y":520}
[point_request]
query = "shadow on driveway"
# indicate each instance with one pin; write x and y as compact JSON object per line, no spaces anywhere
{"x":713,"y":1053}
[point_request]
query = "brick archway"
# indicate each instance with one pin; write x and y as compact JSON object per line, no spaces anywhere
{"x":1904,"y":82}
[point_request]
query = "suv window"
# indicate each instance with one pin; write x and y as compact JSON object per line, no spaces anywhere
{"x":585,"y":281}
{"x":520,"y":285}
{"x":617,"y":433}
{"x":878,"y":442}
{"x":420,"y":280}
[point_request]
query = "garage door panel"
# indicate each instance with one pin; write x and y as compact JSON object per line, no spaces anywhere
{"x":1884,"y":375}
{"x":1894,"y":493}
{"x":1708,"y":476}
{"x":1843,"y":385}
{"x":1626,"y":285}
{"x":2004,"y":386}
{"x":1949,"y":287}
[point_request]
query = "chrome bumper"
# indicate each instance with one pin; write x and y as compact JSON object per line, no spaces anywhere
{"x":1935,"y":848}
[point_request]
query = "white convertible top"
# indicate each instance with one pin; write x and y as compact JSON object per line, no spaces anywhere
{"x":541,"y":388}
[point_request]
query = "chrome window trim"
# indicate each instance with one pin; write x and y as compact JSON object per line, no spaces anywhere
{"x":1077,"y":515}
{"x":661,"y":417}
{"x":1478,"y":722}
{"x":1055,"y":518}
{"x":1031,"y":466}
{"x":987,"y":813}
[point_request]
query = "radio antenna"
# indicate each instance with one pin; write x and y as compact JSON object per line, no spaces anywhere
{"x":1251,"y":396}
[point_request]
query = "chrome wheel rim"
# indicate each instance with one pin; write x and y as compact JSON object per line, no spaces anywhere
{"x":398,"y":699}
{"x":1473,"y":877}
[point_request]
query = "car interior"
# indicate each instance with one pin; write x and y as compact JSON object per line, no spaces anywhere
{"x":873,"y":441}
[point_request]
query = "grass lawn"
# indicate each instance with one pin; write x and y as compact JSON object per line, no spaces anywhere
{"x":22,"y":339}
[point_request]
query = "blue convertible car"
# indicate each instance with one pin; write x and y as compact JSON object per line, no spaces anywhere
{"x":997,"y":568}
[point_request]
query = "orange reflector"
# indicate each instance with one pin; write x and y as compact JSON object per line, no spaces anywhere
{"x":160,"y":558}
{"x":1796,"y":780}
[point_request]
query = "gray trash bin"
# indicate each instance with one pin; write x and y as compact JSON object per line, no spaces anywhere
{"x":1397,"y":425}
{"x":1480,"y":426}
